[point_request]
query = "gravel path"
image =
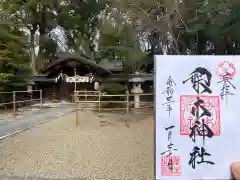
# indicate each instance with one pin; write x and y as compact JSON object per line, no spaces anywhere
{"x":31,"y":118}
{"x":102,"y":148}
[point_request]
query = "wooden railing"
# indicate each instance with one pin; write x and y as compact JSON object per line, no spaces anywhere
{"x":84,"y":95}
{"x":94,"y":100}
{"x":21,"y":98}
{"x":125,"y":101}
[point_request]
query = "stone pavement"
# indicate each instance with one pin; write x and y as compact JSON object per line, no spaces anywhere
{"x":30,"y":118}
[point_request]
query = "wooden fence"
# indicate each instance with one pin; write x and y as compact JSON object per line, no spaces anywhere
{"x":93,"y":101}
{"x":96,"y":101}
{"x":16,"y":99}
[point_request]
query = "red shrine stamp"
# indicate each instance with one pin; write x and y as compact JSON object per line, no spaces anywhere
{"x":170,"y":166}
{"x":226,"y":68}
{"x":187,"y":119}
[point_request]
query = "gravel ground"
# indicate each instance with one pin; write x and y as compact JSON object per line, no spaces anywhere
{"x":102,"y":147}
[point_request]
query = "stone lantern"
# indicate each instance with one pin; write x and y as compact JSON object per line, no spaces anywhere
{"x":96,"y":85}
{"x":137,"y":81}
{"x":30,"y":86}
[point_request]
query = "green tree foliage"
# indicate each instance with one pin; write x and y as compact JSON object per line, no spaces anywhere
{"x":216,"y":23}
{"x":112,"y":89}
{"x":80,"y":22}
{"x":157,"y":22}
{"x":34,"y":16}
{"x":186,"y":26}
{"x":125,"y":26}
{"x":14,"y":71}
{"x":120,"y":41}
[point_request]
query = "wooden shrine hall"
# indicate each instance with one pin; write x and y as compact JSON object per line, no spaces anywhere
{"x":69,"y":71}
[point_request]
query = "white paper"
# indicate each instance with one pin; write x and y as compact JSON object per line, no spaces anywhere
{"x":223,"y":120}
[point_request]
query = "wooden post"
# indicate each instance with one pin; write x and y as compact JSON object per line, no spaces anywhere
{"x":127,"y":102}
{"x":74,"y":97}
{"x":127,"y":109}
{"x":41,"y":98}
{"x":75,"y":82}
{"x":85,"y":93}
{"x":31,"y":98}
{"x":77,"y":112}
{"x":14,"y":103}
{"x":99,"y":101}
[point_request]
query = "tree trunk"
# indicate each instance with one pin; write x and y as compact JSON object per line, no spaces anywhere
{"x":32,"y":51}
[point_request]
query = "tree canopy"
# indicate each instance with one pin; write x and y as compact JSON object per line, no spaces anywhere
{"x":13,"y":58}
{"x":33,"y":31}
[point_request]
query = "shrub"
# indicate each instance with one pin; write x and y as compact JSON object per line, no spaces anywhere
{"x":112,"y":89}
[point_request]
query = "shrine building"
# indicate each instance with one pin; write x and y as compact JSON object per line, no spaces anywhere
{"x":71,"y":71}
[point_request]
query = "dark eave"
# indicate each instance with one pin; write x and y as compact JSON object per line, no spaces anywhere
{"x":124,"y":78}
{"x":67,"y":57}
{"x":43,"y":79}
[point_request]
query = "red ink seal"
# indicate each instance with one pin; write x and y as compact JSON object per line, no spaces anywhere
{"x":187,"y":120}
{"x":226,"y":68}
{"x":170,"y":166}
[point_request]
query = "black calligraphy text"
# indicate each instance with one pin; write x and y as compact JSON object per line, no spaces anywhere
{"x":170,"y":146}
{"x":199,"y":153}
{"x":201,"y":129}
{"x":201,"y":80}
{"x":169,"y":95}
